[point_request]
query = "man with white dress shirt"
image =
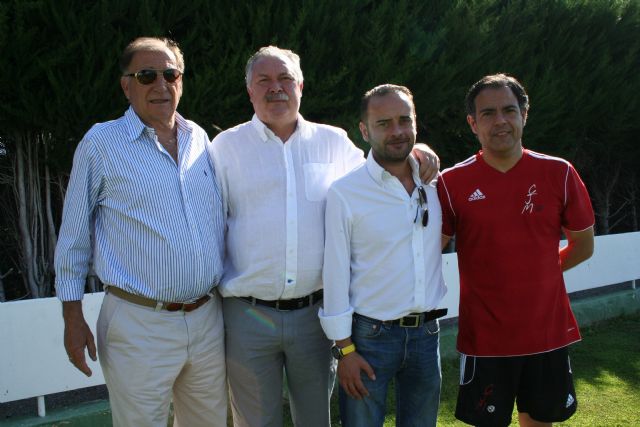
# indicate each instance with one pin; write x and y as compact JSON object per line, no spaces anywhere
{"x":143,"y":204}
{"x":382,"y":272}
{"x":274,"y":172}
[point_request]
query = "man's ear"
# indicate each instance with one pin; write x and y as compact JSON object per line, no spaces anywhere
{"x":364,"y":131}
{"x":472,"y":124}
{"x":124,"y":84}
{"x":525,"y":114}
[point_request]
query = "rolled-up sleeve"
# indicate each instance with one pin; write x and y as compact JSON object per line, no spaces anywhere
{"x":74,"y":249}
{"x":336,"y":314}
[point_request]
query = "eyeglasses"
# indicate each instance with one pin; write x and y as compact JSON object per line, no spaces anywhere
{"x":422,"y":205}
{"x":146,"y":77}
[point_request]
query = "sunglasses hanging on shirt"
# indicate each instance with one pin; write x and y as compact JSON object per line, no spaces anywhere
{"x":422,"y":206}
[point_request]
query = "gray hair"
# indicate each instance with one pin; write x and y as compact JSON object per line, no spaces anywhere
{"x":274,"y":52}
{"x":150,"y":44}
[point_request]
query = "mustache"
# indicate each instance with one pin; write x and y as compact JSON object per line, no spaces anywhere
{"x":281,"y":96}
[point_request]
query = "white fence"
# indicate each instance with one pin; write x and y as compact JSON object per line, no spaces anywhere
{"x":33,"y":362}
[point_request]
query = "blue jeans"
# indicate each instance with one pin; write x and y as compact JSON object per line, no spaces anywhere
{"x":411,"y":356}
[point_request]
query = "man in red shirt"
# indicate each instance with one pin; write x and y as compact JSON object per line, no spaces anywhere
{"x":508,"y":207}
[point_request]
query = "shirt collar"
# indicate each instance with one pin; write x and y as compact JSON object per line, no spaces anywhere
{"x":380,"y":175}
{"x":135,"y":127}
{"x":265,"y":133}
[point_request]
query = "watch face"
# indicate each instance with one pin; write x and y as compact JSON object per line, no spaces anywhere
{"x":337,"y":352}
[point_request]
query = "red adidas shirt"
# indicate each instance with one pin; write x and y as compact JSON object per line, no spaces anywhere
{"x":508,"y":225}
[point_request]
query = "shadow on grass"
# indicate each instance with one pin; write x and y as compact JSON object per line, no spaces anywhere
{"x":610,"y":347}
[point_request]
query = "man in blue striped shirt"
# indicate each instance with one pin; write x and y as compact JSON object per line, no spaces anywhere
{"x":143,"y":206}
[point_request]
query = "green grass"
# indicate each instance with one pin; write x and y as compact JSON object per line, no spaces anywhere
{"x":606,"y":368}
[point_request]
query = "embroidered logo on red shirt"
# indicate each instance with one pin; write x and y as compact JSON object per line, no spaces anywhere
{"x":528,"y":204}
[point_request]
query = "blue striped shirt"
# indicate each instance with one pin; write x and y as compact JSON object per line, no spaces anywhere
{"x":158,"y":227}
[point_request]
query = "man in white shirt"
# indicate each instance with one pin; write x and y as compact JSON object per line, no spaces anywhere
{"x":274,"y":172}
{"x":382,"y":272}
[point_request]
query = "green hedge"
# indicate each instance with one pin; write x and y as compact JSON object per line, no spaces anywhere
{"x":579,"y":59}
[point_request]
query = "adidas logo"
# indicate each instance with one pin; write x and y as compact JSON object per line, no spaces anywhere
{"x":476,"y":195}
{"x":570,"y":400}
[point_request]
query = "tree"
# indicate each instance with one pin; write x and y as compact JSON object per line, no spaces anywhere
{"x":578,"y":59}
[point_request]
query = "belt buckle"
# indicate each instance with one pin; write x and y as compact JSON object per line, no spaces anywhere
{"x":410,"y":321}
{"x":277,"y":307}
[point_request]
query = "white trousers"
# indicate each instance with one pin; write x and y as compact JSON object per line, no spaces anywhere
{"x":148,"y":357}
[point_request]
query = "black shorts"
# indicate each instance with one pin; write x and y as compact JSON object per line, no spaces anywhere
{"x":541,"y":384}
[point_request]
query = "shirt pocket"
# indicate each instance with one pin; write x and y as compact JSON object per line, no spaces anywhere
{"x":318,"y":177}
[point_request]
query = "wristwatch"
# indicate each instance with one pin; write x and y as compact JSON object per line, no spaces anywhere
{"x":338,"y":353}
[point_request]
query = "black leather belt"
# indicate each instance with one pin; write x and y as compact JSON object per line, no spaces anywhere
{"x":412,"y":320}
{"x":287,"y":304}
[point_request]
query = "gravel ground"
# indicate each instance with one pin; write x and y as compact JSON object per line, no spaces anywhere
{"x":29,"y":407}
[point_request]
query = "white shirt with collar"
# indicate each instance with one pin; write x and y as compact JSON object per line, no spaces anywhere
{"x":378,"y":261}
{"x":274,"y":198}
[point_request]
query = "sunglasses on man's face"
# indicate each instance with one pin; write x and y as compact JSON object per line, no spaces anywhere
{"x":146,"y":77}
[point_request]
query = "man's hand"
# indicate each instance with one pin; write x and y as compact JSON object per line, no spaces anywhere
{"x":349,"y":368}
{"x":428,"y":160}
{"x":77,"y":336}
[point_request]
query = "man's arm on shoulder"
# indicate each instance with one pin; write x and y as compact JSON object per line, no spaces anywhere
{"x":579,"y":248}
{"x":428,"y":160}
{"x":444,"y":240}
{"x":77,"y":336}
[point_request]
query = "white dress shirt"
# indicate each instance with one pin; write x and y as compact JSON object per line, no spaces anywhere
{"x":274,"y":198}
{"x":378,"y":261}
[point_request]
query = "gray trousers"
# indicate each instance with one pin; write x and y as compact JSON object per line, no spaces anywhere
{"x":260,"y":342}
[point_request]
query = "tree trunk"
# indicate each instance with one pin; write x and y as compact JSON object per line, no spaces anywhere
{"x":3,"y":296}
{"x":52,"y":238}
{"x":632,"y":194}
{"x":23,"y":218}
{"x":35,"y":217}
{"x":602,"y":187}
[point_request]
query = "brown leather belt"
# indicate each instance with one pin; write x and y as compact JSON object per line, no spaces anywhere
{"x":158,"y":305}
{"x":412,"y":320}
{"x":287,"y":304}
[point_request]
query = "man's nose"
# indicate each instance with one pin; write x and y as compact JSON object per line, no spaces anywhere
{"x":160,"y":82}
{"x":500,"y":117}
{"x":275,"y":86}
{"x":396,"y":129}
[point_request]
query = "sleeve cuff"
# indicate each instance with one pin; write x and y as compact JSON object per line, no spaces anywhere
{"x":70,"y":290}
{"x":336,"y":327}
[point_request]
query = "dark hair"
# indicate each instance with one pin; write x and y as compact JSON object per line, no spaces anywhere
{"x":496,"y":81}
{"x":382,"y":90}
{"x":150,"y":44}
